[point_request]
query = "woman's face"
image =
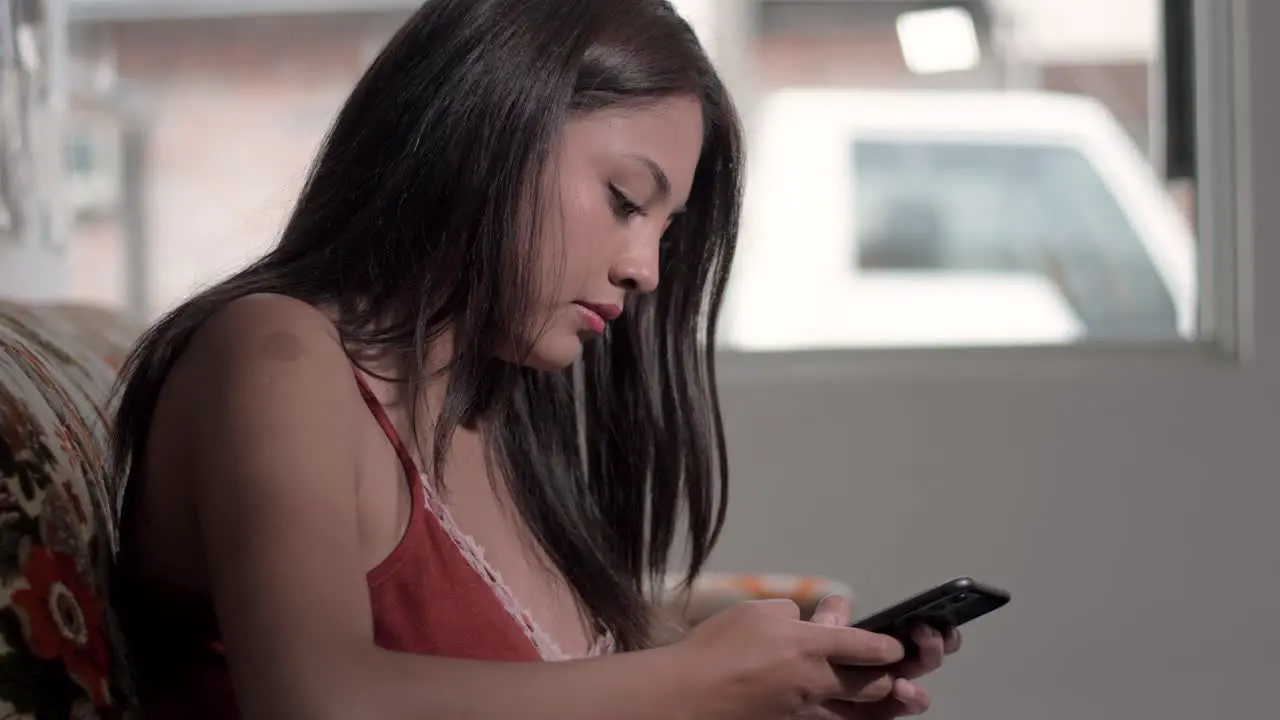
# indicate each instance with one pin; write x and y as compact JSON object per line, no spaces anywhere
{"x":617,"y":179}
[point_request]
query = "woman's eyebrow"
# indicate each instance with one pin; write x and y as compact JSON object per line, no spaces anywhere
{"x":659,"y":175}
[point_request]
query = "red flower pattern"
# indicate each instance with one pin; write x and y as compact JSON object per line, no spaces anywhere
{"x":54,"y":387}
{"x":64,"y":620}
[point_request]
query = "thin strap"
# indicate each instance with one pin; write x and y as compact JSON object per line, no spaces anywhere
{"x":380,"y":414}
{"x":470,"y":550}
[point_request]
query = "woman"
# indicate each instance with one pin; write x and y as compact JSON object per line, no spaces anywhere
{"x":448,"y":426}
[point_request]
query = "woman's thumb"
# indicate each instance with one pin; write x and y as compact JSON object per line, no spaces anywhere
{"x":833,"y":610}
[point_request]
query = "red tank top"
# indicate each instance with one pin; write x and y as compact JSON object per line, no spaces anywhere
{"x":433,"y":595}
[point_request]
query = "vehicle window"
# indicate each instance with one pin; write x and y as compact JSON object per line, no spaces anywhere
{"x":939,"y":207}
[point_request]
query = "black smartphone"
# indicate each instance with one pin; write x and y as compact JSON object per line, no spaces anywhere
{"x":948,"y":605}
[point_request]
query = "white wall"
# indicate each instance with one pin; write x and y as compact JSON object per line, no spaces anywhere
{"x":1084,"y":30}
{"x":31,"y":272}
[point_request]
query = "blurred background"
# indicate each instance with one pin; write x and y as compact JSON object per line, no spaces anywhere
{"x":997,"y":309}
{"x":1024,"y":210}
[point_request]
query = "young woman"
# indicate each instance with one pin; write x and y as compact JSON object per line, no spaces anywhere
{"x":450,"y":425}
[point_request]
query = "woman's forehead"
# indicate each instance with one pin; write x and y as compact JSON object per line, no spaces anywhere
{"x":666,"y":134}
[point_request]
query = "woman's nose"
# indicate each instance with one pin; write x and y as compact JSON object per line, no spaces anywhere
{"x":636,"y":270}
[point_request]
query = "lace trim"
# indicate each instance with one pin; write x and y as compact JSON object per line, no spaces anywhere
{"x":473,"y":553}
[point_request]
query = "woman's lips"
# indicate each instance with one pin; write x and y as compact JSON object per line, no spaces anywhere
{"x":598,"y":316}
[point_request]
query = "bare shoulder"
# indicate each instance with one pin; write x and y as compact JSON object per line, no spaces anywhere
{"x":265,"y":334}
{"x":266,"y":370}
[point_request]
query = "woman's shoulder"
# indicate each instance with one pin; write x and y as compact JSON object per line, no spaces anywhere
{"x":260,"y":351}
{"x":241,"y":327}
{"x":261,"y":332}
{"x":259,"y":405}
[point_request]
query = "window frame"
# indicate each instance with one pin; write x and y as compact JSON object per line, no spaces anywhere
{"x":1224,"y":260}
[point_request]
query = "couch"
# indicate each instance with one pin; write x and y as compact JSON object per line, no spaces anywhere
{"x":61,"y":655}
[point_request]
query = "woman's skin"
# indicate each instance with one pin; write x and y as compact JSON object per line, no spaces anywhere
{"x":271,"y":487}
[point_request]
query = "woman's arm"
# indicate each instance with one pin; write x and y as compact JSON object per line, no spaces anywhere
{"x":269,"y":432}
{"x":268,"y":428}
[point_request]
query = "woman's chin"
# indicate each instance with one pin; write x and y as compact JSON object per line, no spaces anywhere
{"x":555,"y":353}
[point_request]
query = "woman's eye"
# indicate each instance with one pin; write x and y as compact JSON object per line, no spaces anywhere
{"x":623,"y":207}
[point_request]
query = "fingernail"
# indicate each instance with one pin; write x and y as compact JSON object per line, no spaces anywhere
{"x":906,"y":691}
{"x":824,"y":619}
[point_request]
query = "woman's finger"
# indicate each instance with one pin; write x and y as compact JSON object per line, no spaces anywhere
{"x":851,"y":646}
{"x":833,"y":610}
{"x":910,"y":698}
{"x":952,"y":640}
{"x":906,"y":700}
{"x":839,"y":710}
{"x":931,"y":650}
{"x":864,"y":685}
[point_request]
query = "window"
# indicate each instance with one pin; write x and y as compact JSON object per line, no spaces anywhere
{"x":972,"y":173}
{"x":939,"y":210}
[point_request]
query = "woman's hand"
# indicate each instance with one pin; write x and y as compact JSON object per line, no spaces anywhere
{"x":760,"y":661}
{"x":904,"y":697}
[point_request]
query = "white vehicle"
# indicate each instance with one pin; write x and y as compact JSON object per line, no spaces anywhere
{"x":927,"y":218}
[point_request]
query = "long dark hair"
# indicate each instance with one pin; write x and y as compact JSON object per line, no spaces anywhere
{"x":409,"y":226}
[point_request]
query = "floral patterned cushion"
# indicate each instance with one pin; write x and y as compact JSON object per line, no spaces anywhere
{"x":59,"y":653}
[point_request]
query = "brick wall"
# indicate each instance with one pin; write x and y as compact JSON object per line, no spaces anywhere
{"x":239,"y":108}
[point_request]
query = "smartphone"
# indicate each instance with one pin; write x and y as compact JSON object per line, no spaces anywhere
{"x":948,"y":605}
